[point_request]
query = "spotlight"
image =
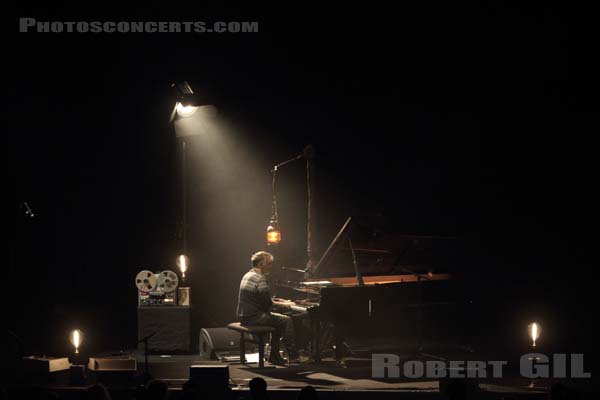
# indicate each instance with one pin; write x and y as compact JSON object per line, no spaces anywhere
{"x":534,"y":329}
{"x":76,"y":338}
{"x":183,"y":263}
{"x":185,"y":111}
{"x":273,"y":232}
{"x":188,"y":102}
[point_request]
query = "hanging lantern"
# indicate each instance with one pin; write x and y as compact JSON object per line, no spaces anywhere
{"x":273,"y":232}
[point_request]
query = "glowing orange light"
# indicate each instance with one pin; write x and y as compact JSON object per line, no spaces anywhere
{"x":273,"y":233}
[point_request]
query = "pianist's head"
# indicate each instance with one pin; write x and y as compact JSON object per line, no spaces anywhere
{"x":263,"y":261}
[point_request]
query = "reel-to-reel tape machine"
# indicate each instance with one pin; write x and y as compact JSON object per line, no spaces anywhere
{"x":158,"y":289}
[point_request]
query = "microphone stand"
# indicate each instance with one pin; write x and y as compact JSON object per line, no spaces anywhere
{"x":308,"y":153}
{"x":276,"y":167}
{"x":359,"y":277}
{"x":145,"y":376}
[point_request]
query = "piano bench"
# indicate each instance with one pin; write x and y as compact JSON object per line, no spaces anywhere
{"x":253,"y":334}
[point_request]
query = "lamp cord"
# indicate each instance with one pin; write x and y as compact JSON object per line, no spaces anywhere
{"x":274,"y":205}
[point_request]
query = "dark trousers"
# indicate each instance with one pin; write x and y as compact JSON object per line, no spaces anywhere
{"x":284,"y":327}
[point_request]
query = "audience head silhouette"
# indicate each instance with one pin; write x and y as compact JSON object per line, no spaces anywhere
{"x":308,"y":393}
{"x":258,"y":388}
{"x":157,"y":390}
{"x":456,"y":390}
{"x":98,"y":392}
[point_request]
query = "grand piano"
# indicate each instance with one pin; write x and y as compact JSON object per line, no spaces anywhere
{"x":375,"y":290}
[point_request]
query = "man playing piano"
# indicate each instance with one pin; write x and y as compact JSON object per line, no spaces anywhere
{"x":255,"y":304}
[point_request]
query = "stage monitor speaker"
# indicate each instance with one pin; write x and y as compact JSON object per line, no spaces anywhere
{"x":113,"y":369}
{"x":46,"y":369}
{"x":210,"y":375}
{"x":216,"y":340}
{"x":112,"y":364}
{"x":45,"y":364}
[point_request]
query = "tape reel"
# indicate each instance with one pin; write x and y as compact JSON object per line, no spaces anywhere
{"x":167,"y":281}
{"x":146,"y":281}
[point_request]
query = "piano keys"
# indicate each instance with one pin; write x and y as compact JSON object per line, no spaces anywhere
{"x":299,"y":306}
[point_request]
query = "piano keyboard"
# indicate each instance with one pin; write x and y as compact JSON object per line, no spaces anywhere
{"x":284,"y":304}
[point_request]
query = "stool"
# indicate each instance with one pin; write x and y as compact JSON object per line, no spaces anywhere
{"x":248,"y":333}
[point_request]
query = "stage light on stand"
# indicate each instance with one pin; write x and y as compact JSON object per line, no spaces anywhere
{"x":76,"y":338}
{"x":188,"y":103}
{"x":273,"y":232}
{"x":183,"y":292}
{"x":77,"y":375}
{"x":193,"y":115}
{"x":534,"y":329}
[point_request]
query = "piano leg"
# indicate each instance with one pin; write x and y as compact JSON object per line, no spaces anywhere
{"x":339,"y":342}
{"x":243,"y":349}
{"x":315,"y":342}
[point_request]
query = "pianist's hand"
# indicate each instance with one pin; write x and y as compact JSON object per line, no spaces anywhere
{"x":282,"y":302}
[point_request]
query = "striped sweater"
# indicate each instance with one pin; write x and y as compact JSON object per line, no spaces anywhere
{"x":254,"y":297}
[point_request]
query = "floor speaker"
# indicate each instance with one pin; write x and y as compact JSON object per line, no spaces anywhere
{"x":112,"y":364}
{"x":218,"y":340}
{"x":113,"y":369}
{"x":43,"y":369}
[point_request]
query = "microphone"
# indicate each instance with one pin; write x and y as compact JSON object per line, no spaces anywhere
{"x":292,"y":269}
{"x":309,"y":151}
{"x":28,"y":210}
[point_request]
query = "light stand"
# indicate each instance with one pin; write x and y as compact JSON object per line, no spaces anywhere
{"x":183,"y":291}
{"x":309,"y":154}
{"x":186,"y":106}
{"x":273,"y":231}
{"x":77,"y":370}
{"x":534,"y":329}
{"x":183,"y":196}
{"x":532,"y":360}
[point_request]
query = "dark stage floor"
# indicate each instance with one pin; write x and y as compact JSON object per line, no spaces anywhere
{"x":355,"y":378}
{"x":352,"y":382}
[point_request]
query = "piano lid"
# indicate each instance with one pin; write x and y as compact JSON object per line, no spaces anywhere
{"x":379,"y":251}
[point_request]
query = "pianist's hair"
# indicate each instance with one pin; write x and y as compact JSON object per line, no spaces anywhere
{"x":261,"y":258}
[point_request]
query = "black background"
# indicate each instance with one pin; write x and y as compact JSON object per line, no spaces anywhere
{"x":474,"y":121}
